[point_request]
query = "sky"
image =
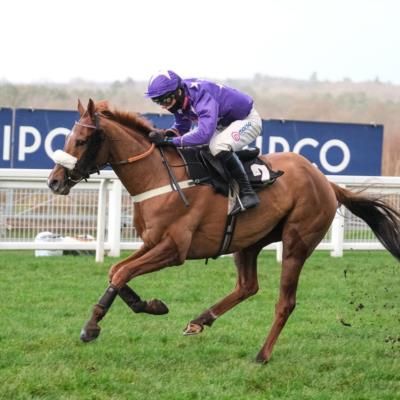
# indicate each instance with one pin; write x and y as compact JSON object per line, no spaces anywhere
{"x":50,"y":41}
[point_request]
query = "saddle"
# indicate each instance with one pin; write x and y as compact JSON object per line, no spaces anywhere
{"x":203,"y":168}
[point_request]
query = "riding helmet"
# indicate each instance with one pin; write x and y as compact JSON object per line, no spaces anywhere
{"x":162,"y":83}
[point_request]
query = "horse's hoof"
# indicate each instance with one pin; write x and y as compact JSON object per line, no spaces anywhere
{"x":193,"y":329}
{"x":260,"y":359}
{"x":156,"y":307}
{"x":89,"y":334}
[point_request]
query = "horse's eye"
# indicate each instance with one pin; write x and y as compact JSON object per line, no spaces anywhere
{"x":80,"y":142}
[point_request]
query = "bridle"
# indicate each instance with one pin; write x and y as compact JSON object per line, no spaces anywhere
{"x":174,"y":183}
{"x":98,"y":168}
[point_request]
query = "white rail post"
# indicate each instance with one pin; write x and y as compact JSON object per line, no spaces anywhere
{"x":337,"y":233}
{"x":101,"y":216}
{"x":114,"y":218}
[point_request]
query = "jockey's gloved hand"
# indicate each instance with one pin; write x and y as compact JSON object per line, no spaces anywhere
{"x":171,"y":133}
{"x":159,"y":139}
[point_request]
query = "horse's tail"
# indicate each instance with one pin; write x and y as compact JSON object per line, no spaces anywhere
{"x":383,"y":219}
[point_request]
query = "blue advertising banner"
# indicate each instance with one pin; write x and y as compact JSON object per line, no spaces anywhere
{"x":6,"y":116}
{"x":335,"y":148}
{"x":37,"y":134}
{"x":161,"y":121}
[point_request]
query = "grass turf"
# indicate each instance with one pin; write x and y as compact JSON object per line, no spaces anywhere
{"x":342,"y":341}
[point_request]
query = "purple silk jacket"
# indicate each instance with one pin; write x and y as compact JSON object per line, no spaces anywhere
{"x":209,"y":105}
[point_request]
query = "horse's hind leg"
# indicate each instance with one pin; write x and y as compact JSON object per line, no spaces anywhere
{"x":295,"y":253}
{"x":246,"y":286}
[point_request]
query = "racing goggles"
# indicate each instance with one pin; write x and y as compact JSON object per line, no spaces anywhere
{"x":164,"y":100}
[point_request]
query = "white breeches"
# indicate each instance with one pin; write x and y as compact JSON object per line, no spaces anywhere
{"x":237,"y":135}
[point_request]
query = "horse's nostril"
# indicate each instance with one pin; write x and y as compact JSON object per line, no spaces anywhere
{"x":53,"y":184}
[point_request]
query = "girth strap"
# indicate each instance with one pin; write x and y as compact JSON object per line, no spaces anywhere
{"x":161,"y":190}
{"x":228,"y":234}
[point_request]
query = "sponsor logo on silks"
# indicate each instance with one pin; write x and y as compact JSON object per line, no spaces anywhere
{"x":244,"y":127}
{"x":235,"y":136}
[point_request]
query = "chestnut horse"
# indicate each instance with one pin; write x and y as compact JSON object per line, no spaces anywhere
{"x":297,"y":209}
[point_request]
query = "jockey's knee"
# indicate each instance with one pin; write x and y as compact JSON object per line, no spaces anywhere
{"x":216,"y":148}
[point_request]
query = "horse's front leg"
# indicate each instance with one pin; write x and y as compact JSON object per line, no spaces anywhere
{"x":137,"y":305}
{"x":162,"y":255}
{"x":131,"y":298}
{"x":120,"y":264}
{"x":91,"y":329}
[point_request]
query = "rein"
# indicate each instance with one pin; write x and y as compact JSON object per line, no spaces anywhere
{"x":135,"y":158}
{"x":130,"y":159}
{"x":174,"y":183}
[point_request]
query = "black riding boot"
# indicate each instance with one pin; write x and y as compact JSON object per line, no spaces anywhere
{"x":235,"y":169}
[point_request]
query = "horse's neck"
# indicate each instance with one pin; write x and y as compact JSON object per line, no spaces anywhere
{"x":141,"y":175}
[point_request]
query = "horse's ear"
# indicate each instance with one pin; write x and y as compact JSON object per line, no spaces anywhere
{"x":81,"y":110}
{"x":91,"y":108}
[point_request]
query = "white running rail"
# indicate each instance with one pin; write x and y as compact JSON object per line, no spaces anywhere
{"x":101,"y":208}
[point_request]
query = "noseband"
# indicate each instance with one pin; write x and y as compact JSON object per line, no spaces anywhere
{"x":85,"y":176}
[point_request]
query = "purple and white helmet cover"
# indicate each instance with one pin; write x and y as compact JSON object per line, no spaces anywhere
{"x":162,"y":83}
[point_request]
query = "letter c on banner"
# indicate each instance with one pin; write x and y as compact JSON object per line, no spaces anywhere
{"x":304,"y":142}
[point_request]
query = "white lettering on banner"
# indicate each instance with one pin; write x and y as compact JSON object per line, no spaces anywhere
{"x":346,"y":155}
{"x":259,"y":142}
{"x":23,"y":147}
{"x":275,"y":140}
{"x":7,"y":143}
{"x":304,"y":142}
{"x":49,"y":139}
{"x":283,"y":145}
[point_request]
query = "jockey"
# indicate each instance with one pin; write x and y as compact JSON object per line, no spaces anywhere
{"x":209,"y":113}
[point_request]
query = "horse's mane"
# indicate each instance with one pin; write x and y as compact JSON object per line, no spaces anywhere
{"x":131,"y":120}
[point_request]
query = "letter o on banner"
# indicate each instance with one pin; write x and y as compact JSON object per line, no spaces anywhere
{"x":49,"y":139}
{"x":323,"y":156}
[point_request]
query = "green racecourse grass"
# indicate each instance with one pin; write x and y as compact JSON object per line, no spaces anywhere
{"x":45,"y":301}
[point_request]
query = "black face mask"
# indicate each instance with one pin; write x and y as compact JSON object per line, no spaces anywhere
{"x":180,"y":98}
